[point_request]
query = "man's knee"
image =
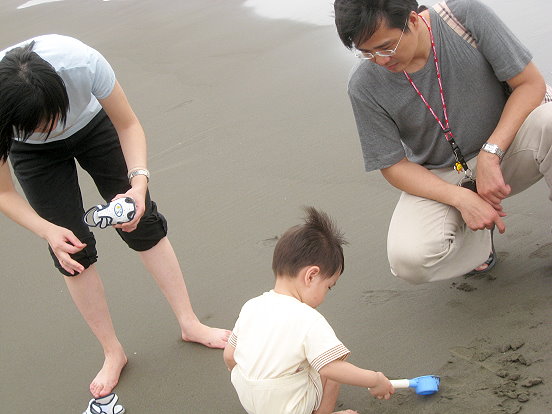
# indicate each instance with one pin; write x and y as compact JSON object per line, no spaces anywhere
{"x":412,"y":271}
{"x":414,"y":263}
{"x":541,"y":120}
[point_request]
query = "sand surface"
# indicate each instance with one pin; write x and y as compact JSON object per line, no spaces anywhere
{"x":248,"y":120}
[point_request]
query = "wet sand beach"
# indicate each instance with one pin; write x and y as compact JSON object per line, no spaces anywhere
{"x":248,"y":120}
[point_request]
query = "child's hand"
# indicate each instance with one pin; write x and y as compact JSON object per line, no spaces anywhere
{"x":383,"y":388}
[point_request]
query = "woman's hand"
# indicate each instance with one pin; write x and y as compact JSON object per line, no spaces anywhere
{"x":63,"y":243}
{"x":138,"y":193}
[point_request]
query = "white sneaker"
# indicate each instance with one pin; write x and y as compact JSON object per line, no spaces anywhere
{"x":105,"y":405}
{"x":120,"y":210}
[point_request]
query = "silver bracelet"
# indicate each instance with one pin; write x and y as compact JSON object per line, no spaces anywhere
{"x":138,"y":171}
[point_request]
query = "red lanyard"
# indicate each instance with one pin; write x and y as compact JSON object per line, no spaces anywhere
{"x":460,"y":161}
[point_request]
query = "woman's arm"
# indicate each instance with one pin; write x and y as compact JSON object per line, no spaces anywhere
{"x":62,"y":241}
{"x":133,"y":144}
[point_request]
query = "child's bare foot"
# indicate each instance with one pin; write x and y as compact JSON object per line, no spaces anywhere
{"x":205,"y":335}
{"x":108,"y":377}
{"x":346,"y":412}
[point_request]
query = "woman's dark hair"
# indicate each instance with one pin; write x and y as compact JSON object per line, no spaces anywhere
{"x":317,"y":242}
{"x":357,"y":20}
{"x":32,"y":95}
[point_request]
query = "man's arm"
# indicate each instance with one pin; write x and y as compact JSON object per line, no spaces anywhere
{"x":419,"y":181}
{"x":528,"y":89}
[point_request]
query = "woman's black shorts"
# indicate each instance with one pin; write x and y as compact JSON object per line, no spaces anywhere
{"x":47,"y":174}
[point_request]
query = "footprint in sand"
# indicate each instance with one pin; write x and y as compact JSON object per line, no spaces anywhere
{"x":270,"y":242}
{"x":543,"y":252}
{"x":379,"y":296}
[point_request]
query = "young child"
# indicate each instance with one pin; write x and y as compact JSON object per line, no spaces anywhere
{"x":283,"y":354}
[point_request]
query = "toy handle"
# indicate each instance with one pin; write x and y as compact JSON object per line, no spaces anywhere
{"x":400,"y":383}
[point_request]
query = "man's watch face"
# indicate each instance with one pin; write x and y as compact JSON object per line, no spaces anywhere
{"x":493,"y":149}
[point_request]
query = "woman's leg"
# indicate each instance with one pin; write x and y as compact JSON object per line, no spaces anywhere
{"x":162,"y":263}
{"x":101,"y":156}
{"x":88,"y":294}
{"x":48,"y":177}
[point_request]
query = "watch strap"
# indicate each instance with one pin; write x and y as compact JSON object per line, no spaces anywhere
{"x":138,"y":171}
{"x":493,"y":149}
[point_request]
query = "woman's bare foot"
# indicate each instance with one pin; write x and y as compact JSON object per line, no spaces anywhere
{"x":108,"y":377}
{"x":205,"y":335}
{"x":346,"y":412}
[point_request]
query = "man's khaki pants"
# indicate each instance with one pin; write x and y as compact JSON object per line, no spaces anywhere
{"x":429,"y":241}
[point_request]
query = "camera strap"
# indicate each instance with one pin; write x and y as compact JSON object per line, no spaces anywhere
{"x":460,"y":164}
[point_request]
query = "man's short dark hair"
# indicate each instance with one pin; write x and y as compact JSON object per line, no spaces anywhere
{"x":32,"y":95}
{"x":317,"y":242}
{"x":357,"y":20}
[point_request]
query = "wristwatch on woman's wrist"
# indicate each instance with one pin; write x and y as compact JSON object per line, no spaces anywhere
{"x":493,"y":149}
{"x":138,"y":171}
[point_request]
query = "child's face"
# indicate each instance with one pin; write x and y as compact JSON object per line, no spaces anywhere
{"x":319,"y":288}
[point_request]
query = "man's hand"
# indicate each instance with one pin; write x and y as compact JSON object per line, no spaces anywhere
{"x":63,"y":243}
{"x":490,"y":181}
{"x":477,"y":212}
{"x":480,"y":214}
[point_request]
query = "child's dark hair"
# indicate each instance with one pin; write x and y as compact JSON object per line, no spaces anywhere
{"x":32,"y":95}
{"x":317,"y":242}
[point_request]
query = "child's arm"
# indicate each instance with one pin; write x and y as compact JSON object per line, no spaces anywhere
{"x":228,"y":356}
{"x":347,"y":373}
{"x":329,"y":396}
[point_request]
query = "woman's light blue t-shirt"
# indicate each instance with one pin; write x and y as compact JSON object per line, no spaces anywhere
{"x":87,"y":76}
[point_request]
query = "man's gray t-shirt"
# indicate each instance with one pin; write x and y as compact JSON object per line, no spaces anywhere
{"x":392,"y":120}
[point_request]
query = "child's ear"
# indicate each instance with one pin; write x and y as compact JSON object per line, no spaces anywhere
{"x":310,"y":274}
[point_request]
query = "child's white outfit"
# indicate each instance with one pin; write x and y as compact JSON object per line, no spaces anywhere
{"x":280,"y":345}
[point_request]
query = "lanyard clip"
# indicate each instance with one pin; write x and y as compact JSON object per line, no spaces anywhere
{"x":448,"y":136}
{"x":460,"y":164}
{"x":468,"y":174}
{"x":458,"y":154}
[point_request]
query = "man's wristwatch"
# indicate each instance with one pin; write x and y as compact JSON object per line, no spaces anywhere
{"x":493,"y":149}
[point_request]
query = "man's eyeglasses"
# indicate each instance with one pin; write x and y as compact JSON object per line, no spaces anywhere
{"x":384,"y":53}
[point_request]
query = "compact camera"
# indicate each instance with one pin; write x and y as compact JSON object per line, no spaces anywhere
{"x":470,"y":184}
